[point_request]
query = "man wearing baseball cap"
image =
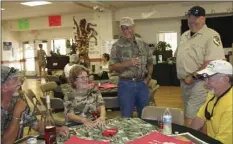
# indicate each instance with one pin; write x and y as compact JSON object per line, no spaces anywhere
{"x":197,"y":47}
{"x":15,"y":113}
{"x":216,"y":113}
{"x":131,"y":59}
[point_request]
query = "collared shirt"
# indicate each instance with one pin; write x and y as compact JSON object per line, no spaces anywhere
{"x":83,"y":103}
{"x":124,"y":50}
{"x":220,"y":125}
{"x":27,"y":119}
{"x":194,"y":50}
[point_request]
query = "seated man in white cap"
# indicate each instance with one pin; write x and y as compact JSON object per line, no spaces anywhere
{"x":216,"y":113}
{"x":72,"y":62}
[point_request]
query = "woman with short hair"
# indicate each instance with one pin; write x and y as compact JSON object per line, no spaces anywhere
{"x":84,"y":104}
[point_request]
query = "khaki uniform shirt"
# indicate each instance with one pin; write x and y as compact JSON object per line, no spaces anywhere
{"x":83,"y":104}
{"x":124,"y":50}
{"x":193,"y":51}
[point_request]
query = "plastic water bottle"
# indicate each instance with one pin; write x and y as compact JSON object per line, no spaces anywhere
{"x":167,"y":122}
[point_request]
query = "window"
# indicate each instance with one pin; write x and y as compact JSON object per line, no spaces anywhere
{"x":59,"y":44}
{"x":169,"y":37}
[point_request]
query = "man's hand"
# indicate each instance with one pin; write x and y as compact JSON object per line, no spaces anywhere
{"x":100,"y":121}
{"x":63,"y":131}
{"x":20,"y":107}
{"x":146,"y":80}
{"x":136,"y":62}
{"x":188,"y":80}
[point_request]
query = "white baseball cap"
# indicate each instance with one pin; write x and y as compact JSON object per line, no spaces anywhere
{"x":217,"y":66}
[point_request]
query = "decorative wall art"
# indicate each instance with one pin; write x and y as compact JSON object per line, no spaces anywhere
{"x":83,"y":34}
{"x":7,"y":46}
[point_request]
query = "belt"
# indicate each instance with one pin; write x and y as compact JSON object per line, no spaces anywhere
{"x":132,"y":79}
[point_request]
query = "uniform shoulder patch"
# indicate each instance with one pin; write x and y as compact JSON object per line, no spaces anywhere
{"x":217,"y":40}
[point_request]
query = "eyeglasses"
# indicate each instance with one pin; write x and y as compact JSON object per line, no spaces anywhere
{"x":83,"y":77}
{"x":12,"y":70}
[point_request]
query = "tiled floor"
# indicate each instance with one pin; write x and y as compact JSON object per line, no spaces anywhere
{"x":165,"y":97}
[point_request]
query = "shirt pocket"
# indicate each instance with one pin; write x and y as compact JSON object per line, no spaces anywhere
{"x":126,"y":55}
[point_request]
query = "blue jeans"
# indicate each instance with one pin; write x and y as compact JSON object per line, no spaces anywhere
{"x":132,"y":94}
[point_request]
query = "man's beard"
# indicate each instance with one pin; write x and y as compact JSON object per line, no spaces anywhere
{"x":16,"y":93}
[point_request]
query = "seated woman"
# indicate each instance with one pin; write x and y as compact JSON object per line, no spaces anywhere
{"x":105,"y":62}
{"x":84,"y":102}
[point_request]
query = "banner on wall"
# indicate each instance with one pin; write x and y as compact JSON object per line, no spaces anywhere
{"x":23,"y":24}
{"x":94,"y":51}
{"x":54,"y":20}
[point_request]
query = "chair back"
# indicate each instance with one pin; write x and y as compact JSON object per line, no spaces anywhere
{"x":55,"y":103}
{"x":47,"y":88}
{"x":37,"y":107}
{"x":153,"y":113}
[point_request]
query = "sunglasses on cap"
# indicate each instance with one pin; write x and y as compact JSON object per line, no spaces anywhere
{"x":196,"y":12}
{"x":125,"y":27}
{"x":202,"y":76}
{"x":12,"y":70}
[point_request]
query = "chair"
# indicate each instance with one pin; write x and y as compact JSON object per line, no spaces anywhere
{"x":153,"y":112}
{"x":153,"y":86}
{"x":56,"y":104}
{"x":47,"y":88}
{"x":37,"y":107}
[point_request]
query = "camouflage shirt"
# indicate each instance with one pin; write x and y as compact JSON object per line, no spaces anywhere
{"x":124,"y":50}
{"x":83,"y":104}
{"x":27,"y":119}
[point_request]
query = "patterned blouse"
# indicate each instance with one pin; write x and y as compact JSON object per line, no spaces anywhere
{"x":41,"y":56}
{"x":27,"y":119}
{"x":83,"y":104}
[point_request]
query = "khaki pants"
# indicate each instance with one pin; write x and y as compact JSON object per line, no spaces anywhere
{"x":194,"y":96}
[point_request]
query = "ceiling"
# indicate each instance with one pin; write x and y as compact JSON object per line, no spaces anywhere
{"x":14,"y":10}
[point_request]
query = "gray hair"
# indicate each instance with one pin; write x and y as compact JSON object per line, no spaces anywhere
{"x":229,"y":76}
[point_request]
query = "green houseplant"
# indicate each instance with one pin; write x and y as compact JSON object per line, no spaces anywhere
{"x":163,"y":48}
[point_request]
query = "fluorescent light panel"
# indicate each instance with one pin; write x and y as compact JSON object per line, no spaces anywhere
{"x":2,"y":9}
{"x":35,"y":3}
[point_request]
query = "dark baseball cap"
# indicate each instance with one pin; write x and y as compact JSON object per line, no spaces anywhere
{"x":197,"y":11}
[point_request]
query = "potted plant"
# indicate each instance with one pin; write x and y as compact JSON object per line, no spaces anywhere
{"x":163,"y":48}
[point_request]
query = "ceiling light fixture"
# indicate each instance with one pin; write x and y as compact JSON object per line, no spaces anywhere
{"x":3,"y":9}
{"x":35,"y":3}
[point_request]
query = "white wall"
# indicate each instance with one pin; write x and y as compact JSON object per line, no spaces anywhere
{"x":9,"y":36}
{"x":166,"y":17}
{"x":148,"y":29}
{"x":171,"y":10}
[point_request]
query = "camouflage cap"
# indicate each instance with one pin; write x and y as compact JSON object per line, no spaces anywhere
{"x":126,"y":21}
{"x":7,"y":72}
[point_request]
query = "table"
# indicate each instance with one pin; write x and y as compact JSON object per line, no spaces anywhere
{"x":165,"y":74}
{"x":129,"y":129}
{"x":183,"y":129}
